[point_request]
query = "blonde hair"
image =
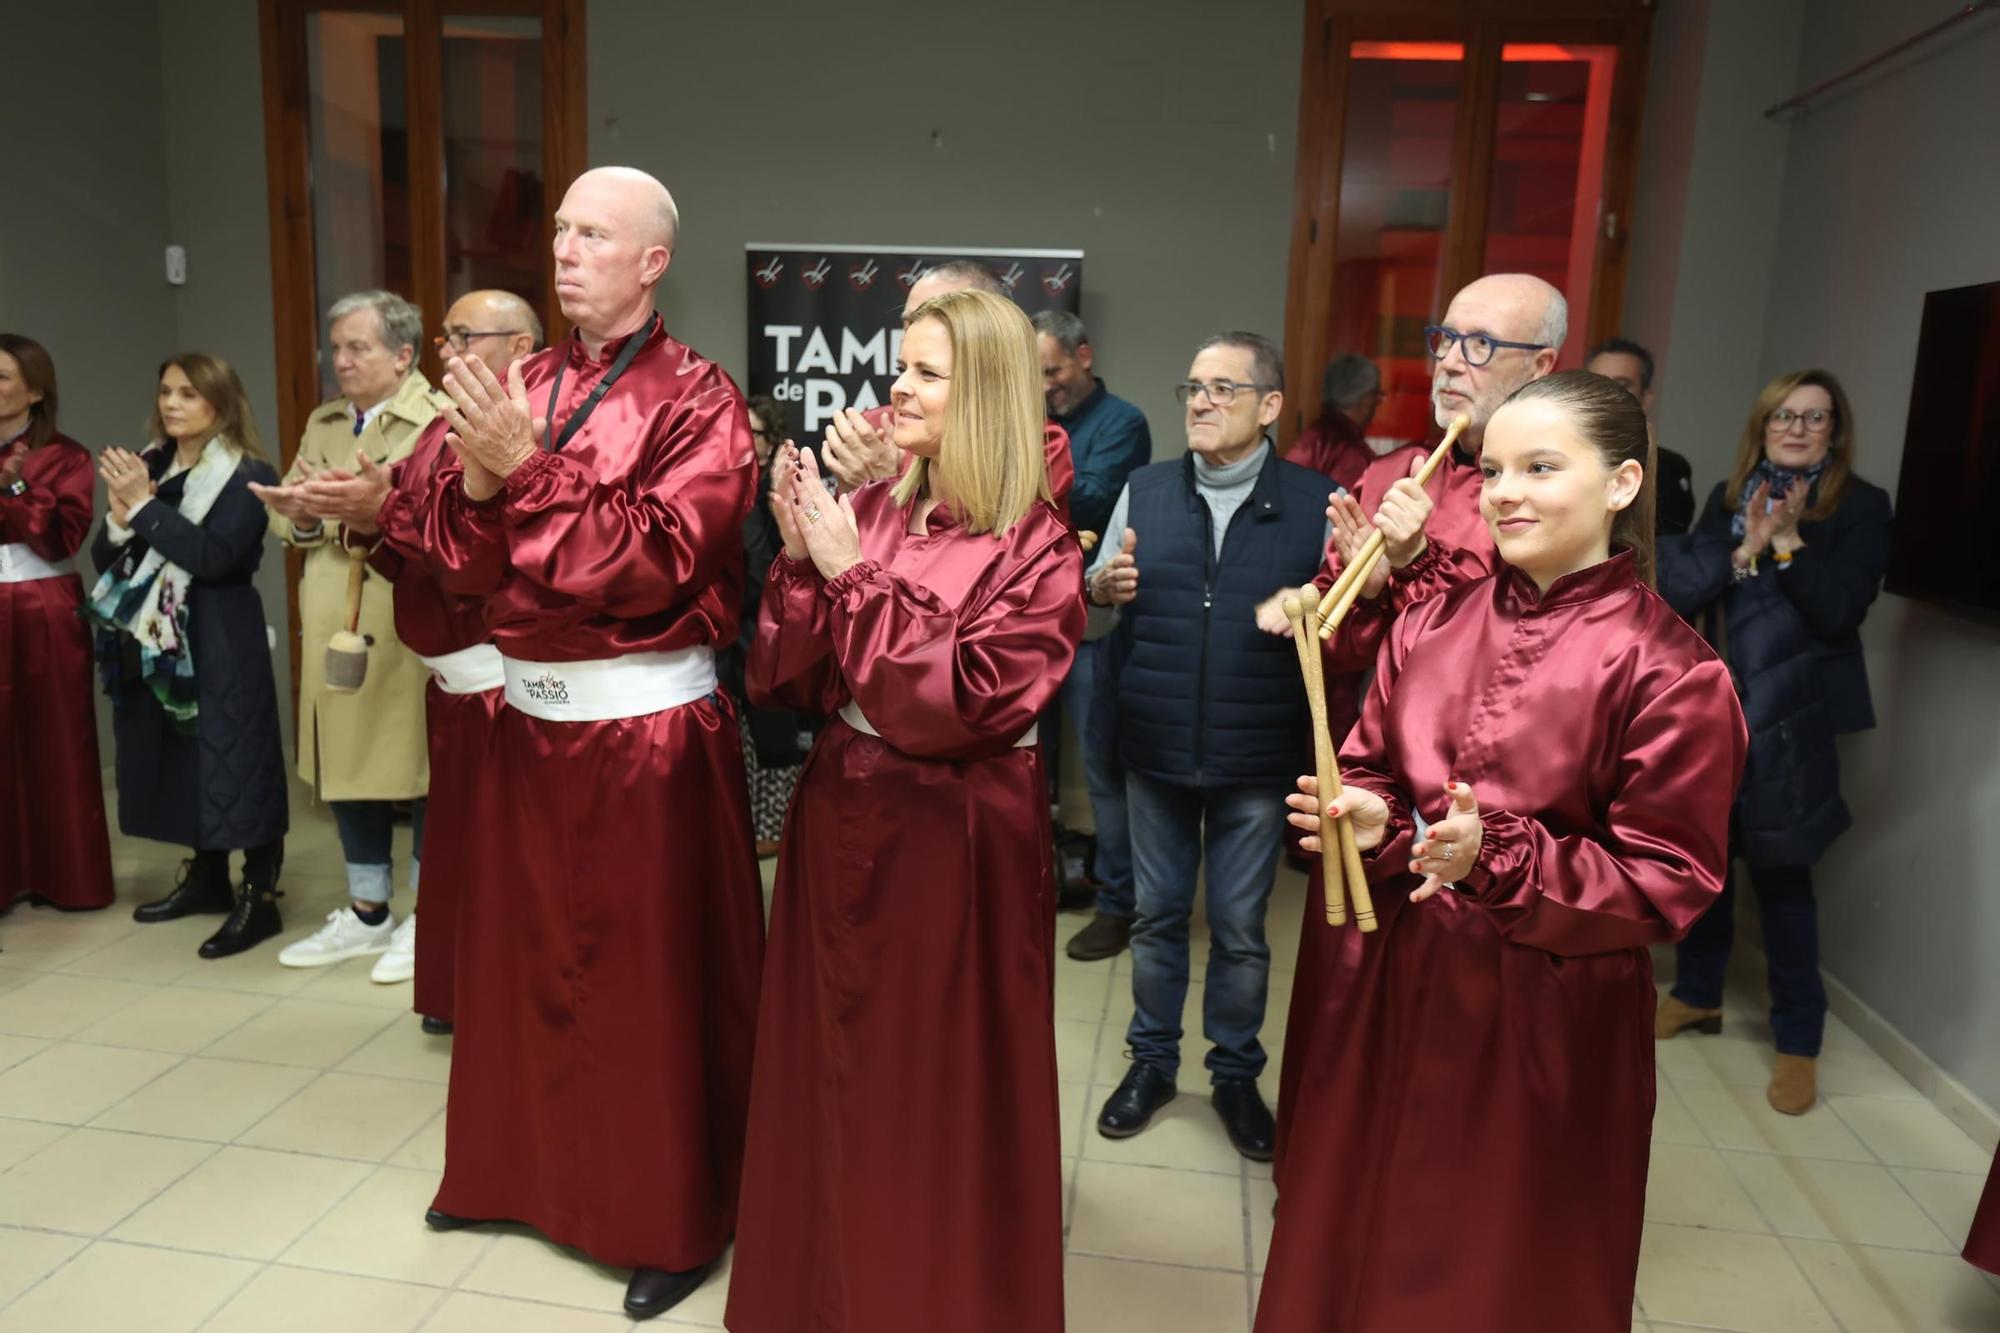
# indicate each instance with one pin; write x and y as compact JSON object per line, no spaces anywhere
{"x":1839,"y":449}
{"x":991,"y":466}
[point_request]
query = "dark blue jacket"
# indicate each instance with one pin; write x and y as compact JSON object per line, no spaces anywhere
{"x":1108,"y":438}
{"x":1792,"y":640}
{"x":1206,"y":699}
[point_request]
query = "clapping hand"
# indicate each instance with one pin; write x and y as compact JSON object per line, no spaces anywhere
{"x":126,"y":480}
{"x":1450,"y":849}
{"x":352,"y":499}
{"x":1351,"y":531}
{"x":493,"y":429}
{"x":857,"y":453}
{"x":825,"y":525}
{"x":784,"y":480}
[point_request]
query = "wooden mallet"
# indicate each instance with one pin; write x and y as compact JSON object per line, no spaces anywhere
{"x":1340,"y":857}
{"x":347,"y":651}
{"x":1339,"y":599}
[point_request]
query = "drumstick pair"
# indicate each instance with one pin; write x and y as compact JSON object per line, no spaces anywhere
{"x":1339,"y":599}
{"x":1342,"y":876}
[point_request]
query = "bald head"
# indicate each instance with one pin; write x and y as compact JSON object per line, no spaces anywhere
{"x":615,"y":235}
{"x":955,"y":275}
{"x":498,"y":328}
{"x":1507,"y":308}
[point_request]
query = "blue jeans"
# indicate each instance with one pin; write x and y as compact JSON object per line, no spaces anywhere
{"x":366,"y":828}
{"x":1234,"y":833}
{"x":1791,"y":944}
{"x":1105,"y":776}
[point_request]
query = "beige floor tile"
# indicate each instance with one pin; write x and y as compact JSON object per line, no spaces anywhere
{"x":379,"y":1231}
{"x":89,"y":1180}
{"x":298,"y":1300}
{"x":424,"y":1150}
{"x":1672,"y":1121}
{"x":1262,"y":1195}
{"x":253,"y":972}
{"x":11,"y":977}
{"x":1081,"y":990}
{"x":1949,"y":1197}
{"x":349,"y":1115}
{"x":1069,"y":1195}
{"x":1076,"y":1048}
{"x":1898,"y":1291}
{"x":22,"y":1139}
{"x":204,"y":1098}
{"x":1680,"y":1059}
{"x":1143,"y":1212}
{"x":1726,"y":1280}
{"x":1076,"y":1107}
{"x":243,"y":1202}
{"x":1119,"y":1296}
{"x":57,"y":1006}
{"x":300,"y":1032}
{"x":70,"y":1083}
{"x":465,"y":1312}
{"x":26,"y":1257}
{"x":157,"y":953}
{"x":127,"y":1287}
{"x":1186,"y":1134}
{"x":524,"y":1266}
{"x":1904,"y":1133}
{"x":177,"y":1018}
{"x":14,"y":1049}
{"x":42,"y":941}
{"x":1739,"y":1118}
{"x":1848,"y":1066}
{"x":1845,"y":1201}
{"x":349,"y":983}
{"x":1693,"y":1187}
{"x":403,"y":1050}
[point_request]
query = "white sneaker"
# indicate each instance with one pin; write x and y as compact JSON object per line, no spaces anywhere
{"x":344,"y":936}
{"x":400,"y":963}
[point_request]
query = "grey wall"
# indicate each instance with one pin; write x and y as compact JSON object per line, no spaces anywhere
{"x":1157,"y":137}
{"x":164,"y":145}
{"x":1811,"y":241}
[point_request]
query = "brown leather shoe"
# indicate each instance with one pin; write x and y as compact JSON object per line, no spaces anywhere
{"x":1673,"y":1015}
{"x":1105,"y":937}
{"x":1794,"y":1085}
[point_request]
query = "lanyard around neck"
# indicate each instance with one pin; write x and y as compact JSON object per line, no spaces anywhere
{"x":589,"y":405}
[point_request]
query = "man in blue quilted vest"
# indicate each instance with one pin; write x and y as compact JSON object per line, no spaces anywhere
{"x":1213,"y":728}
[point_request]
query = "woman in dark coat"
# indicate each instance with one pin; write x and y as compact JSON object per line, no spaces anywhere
{"x":184,"y":652}
{"x":1779,"y":573}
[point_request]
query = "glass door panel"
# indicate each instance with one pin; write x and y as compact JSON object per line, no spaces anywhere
{"x":496,"y":208}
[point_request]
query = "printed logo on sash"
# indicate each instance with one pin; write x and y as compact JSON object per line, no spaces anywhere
{"x":547,"y":688}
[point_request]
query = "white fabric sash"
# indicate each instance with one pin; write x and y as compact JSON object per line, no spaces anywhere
{"x":851,"y":714}
{"x":473,"y":670}
{"x":635,"y":685}
{"x":20,"y":565}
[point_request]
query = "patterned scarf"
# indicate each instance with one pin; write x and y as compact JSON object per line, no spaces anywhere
{"x":145,"y":595}
{"x":1780,"y":479}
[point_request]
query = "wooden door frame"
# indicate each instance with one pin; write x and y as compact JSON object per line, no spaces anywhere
{"x":1331,"y":28}
{"x":288,"y":169}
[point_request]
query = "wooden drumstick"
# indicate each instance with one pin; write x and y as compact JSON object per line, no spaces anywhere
{"x":1333,"y":862}
{"x":1340,"y":597}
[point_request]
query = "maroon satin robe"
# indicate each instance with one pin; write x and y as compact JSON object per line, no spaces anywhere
{"x":1458,"y":548}
{"x":1334,"y":447}
{"x":1469,"y":1143}
{"x":607,"y":995}
{"x":903,"y":1174}
{"x":458,"y":727}
{"x":54,"y":842}
{"x":1982,"y":1245}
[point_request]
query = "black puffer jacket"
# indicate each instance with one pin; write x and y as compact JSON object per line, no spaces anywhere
{"x":1792,"y":640}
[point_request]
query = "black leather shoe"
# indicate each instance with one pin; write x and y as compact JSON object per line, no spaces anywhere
{"x":1105,"y":937}
{"x":654,"y":1292}
{"x":436,"y":1027}
{"x":438,"y":1221}
{"x":1130,"y":1109}
{"x":202,"y":886}
{"x":1246,"y":1117}
{"x":254,"y":920}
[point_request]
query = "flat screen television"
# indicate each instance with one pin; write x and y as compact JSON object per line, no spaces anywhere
{"x":1943,"y":551}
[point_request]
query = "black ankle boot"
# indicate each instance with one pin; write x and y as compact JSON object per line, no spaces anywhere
{"x":202,"y":886}
{"x":254,"y":920}
{"x":652,"y":1292}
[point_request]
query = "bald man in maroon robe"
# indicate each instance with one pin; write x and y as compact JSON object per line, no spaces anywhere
{"x":606,"y":1008}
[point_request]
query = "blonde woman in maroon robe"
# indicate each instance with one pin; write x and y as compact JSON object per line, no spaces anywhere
{"x":54,"y":843}
{"x":1475,"y":1098}
{"x":902,"y":1174}
{"x":607,"y":997}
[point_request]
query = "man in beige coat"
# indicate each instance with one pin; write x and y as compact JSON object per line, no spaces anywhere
{"x":365,"y":750}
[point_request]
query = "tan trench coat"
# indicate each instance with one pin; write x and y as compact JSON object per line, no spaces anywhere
{"x":370,"y":745}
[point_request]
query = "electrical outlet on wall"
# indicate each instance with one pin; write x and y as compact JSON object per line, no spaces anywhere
{"x":177,"y":266}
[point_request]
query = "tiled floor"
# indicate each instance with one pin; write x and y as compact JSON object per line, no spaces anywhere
{"x":238,"y":1148}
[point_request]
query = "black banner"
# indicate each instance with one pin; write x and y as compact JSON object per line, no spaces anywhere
{"x":826,"y":323}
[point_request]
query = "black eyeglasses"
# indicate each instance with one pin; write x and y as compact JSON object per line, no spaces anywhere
{"x":1220,"y":392}
{"x":1476,"y":348}
{"x":1816,"y":418}
{"x":459,"y":338}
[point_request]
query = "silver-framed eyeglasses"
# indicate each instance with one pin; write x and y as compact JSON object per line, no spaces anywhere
{"x":1816,"y":419}
{"x":1476,"y":348}
{"x":462,"y":338}
{"x":1220,"y":393}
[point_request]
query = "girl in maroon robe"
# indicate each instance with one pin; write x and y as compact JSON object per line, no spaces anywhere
{"x":1475,"y":1103}
{"x":902,"y":1170}
{"x":54,"y":844}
